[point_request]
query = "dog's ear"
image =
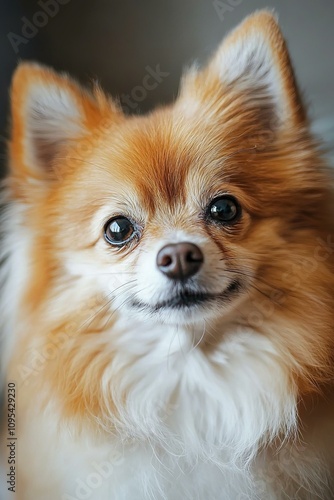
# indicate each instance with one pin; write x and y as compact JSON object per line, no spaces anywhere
{"x":252,"y":62}
{"x":50,"y":114}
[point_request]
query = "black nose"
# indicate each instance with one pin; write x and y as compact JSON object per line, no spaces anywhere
{"x":180,"y":260}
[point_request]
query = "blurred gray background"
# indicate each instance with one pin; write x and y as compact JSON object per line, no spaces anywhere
{"x":116,"y":41}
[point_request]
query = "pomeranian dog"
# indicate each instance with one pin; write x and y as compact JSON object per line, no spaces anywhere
{"x":168,"y":287}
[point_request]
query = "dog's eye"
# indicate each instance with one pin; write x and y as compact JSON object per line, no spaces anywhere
{"x":224,"y":209}
{"x":119,"y":230}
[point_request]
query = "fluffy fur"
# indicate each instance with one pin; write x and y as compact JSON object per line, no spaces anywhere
{"x":119,"y":398}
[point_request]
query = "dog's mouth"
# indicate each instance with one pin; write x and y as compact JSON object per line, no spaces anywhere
{"x":187,"y":299}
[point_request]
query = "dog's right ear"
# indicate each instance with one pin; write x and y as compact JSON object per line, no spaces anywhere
{"x":252,"y":62}
{"x":50,"y":115}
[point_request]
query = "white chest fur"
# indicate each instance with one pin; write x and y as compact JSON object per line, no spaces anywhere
{"x":191,"y":427}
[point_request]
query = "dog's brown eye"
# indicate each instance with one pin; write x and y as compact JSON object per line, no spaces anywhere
{"x":224,"y":209}
{"x":119,"y":231}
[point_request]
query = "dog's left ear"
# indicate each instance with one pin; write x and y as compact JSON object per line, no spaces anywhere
{"x":252,"y":62}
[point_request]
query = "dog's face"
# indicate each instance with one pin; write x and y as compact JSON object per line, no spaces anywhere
{"x":181,"y":215}
{"x":167,"y":230}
